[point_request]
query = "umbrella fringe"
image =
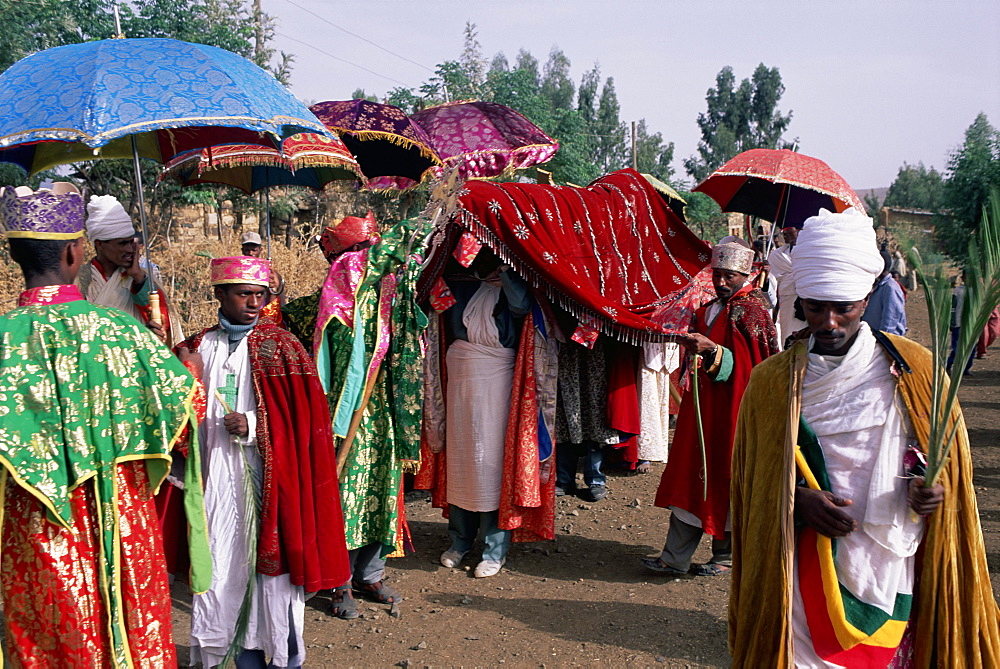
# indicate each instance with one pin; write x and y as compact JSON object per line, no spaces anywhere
{"x":392,"y":138}
{"x":623,"y":333}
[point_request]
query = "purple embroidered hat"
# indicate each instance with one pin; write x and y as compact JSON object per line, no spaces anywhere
{"x":56,"y":213}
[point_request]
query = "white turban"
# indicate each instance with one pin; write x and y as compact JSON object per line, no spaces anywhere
{"x":836,"y":257}
{"x":107,"y":219}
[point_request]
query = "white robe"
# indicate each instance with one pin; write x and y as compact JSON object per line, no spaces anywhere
{"x":850,"y":402}
{"x":659,"y":360}
{"x":116,"y":291}
{"x":780,"y":261}
{"x":276,"y":604}
{"x":480,"y":377}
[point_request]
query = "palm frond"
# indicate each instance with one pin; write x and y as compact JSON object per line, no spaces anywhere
{"x":981,"y":296}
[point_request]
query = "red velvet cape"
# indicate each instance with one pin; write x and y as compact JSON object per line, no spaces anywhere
{"x":744,"y":327}
{"x":302,"y":525}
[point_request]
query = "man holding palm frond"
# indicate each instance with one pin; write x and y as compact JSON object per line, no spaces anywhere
{"x":842,"y":557}
{"x":275,"y":524}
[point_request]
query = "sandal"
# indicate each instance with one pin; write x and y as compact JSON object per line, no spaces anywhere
{"x":378,"y":592}
{"x":661,"y":567}
{"x":710,"y":569}
{"x":342,"y":604}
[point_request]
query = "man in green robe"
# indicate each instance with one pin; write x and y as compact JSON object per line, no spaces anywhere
{"x":91,"y":404}
{"x":364,"y":327}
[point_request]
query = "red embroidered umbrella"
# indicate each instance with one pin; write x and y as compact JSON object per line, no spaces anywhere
{"x":609,"y":253}
{"x":484,"y":139}
{"x":392,"y":150}
{"x":306,"y":159}
{"x":778,"y":185}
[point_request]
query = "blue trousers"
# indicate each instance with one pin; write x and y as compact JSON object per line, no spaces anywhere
{"x":567,"y":457}
{"x":463,"y":526}
{"x":955,"y":332}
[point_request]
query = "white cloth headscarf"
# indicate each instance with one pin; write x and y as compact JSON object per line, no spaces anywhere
{"x":836,"y":257}
{"x":107,"y":219}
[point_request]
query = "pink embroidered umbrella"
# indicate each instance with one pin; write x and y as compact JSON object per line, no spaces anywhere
{"x":394,"y":153}
{"x":484,"y":139}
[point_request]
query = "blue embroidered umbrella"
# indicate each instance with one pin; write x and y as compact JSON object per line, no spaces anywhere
{"x":132,"y":98}
{"x":87,"y":101}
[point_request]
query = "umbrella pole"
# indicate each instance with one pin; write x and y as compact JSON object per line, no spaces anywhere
{"x":154,"y":296}
{"x":267,"y":218}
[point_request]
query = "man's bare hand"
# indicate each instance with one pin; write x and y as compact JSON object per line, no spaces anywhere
{"x":187,"y":356}
{"x":158,"y":330}
{"x":822,"y":511}
{"x":697,"y":343}
{"x":236,"y":424}
{"x":923,"y":500}
{"x":135,"y":270}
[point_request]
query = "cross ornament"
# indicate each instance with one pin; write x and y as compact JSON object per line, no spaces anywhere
{"x":229,"y":391}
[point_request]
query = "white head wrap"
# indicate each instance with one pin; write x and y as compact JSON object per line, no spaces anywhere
{"x":106,"y":219}
{"x":836,"y":257}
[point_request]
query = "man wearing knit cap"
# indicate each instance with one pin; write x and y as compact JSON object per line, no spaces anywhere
{"x":842,"y":556}
{"x":271,"y":496}
{"x":92,"y":405}
{"x":730,"y":335}
{"x":115,"y":277}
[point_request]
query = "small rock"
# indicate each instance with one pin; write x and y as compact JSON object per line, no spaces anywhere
{"x":435,"y":611}
{"x":404,"y":663}
{"x":622,"y":527}
{"x":635,"y":503}
{"x":559,"y":549}
{"x":585,"y":507}
{"x":394,"y":610}
{"x":420,"y":646}
{"x":359,"y":646}
{"x":466,"y":600}
{"x":661,"y":659}
{"x":329,"y":645}
{"x":472,"y":638}
{"x":574,"y":512}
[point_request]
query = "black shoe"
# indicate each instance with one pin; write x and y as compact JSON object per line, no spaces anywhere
{"x":595,"y":493}
{"x":562,"y":492}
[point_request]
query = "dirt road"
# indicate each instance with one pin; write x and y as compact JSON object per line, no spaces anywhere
{"x":583,"y":599}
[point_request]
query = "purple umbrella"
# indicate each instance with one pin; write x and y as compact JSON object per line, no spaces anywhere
{"x":484,"y":139}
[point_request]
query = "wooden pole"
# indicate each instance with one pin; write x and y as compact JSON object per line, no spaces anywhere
{"x":635,"y":158}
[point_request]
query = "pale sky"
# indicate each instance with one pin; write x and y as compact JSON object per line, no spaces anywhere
{"x":870,"y":84}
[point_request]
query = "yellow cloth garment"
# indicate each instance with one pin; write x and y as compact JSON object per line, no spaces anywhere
{"x":956,"y":615}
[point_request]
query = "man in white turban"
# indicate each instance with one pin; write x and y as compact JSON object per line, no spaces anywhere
{"x":115,"y":277}
{"x":829,"y":505}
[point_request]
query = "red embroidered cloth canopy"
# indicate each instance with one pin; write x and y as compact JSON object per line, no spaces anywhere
{"x":612,"y":251}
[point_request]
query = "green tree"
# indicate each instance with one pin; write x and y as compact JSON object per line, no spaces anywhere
{"x":557,"y":87}
{"x":973,"y":170}
{"x":738,"y":118}
{"x":405,"y":99}
{"x":609,"y":131}
{"x":704,"y":216}
{"x":653,"y":156}
{"x":916,"y":187}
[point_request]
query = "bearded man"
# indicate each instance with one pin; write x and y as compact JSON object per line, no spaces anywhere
{"x":275,"y":525}
{"x":116,"y":277}
{"x":842,"y":556}
{"x":730,"y":335}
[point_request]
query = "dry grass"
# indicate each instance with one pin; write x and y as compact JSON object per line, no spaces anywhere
{"x":185,"y":275}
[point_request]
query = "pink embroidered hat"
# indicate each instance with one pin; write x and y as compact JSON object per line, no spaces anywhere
{"x":43,"y":214}
{"x":241,"y":269}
